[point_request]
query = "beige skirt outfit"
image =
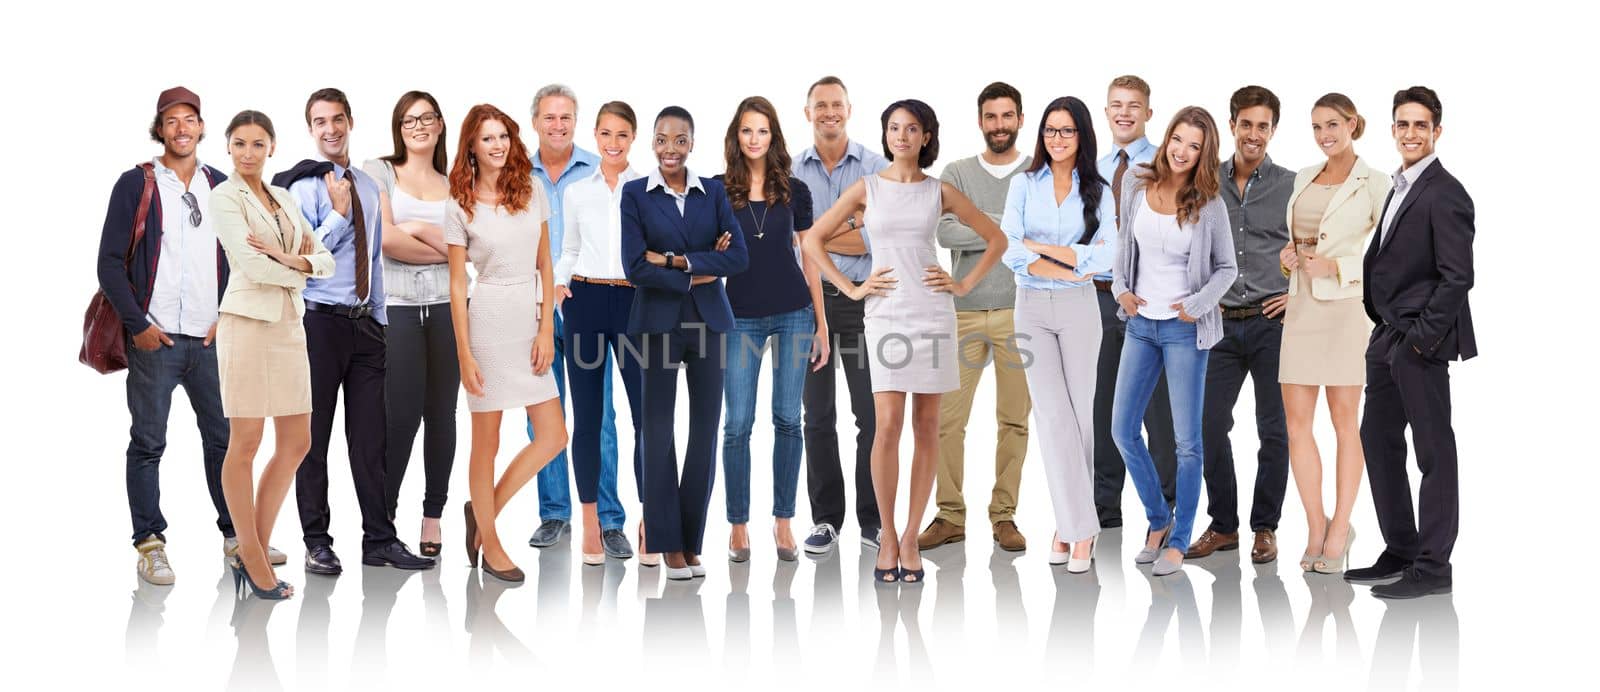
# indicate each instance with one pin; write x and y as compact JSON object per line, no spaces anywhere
{"x":1324,"y":341}
{"x":262,"y":365}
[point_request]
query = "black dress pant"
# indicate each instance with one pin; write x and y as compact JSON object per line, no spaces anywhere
{"x":421,"y":381}
{"x":824,"y":472}
{"x":1250,"y":347}
{"x":347,"y":353}
{"x":1109,"y":471}
{"x":676,"y":505}
{"x":1407,"y":388}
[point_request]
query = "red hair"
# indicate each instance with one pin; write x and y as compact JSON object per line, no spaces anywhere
{"x":515,"y":185}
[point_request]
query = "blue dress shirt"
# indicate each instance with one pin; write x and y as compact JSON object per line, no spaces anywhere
{"x":826,"y":186}
{"x":1139,"y":151}
{"x":1032,"y":214}
{"x":337,"y":233}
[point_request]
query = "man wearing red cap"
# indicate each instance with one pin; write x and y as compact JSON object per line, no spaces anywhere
{"x":165,"y":287}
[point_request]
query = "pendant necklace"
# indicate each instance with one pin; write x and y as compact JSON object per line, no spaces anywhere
{"x":761,"y":222}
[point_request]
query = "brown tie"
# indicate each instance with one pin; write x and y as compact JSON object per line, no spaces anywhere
{"x":363,"y":264}
{"x":1116,"y":182}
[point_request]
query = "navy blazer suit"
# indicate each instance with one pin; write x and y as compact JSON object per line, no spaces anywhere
{"x":1417,"y":277}
{"x":663,"y":299}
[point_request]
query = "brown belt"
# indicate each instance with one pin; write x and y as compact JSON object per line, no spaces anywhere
{"x":1241,"y":313}
{"x":1305,"y":241}
{"x":1102,"y":285}
{"x":602,"y":282}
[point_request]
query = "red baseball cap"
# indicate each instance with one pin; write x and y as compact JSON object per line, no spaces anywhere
{"x":175,"y":96}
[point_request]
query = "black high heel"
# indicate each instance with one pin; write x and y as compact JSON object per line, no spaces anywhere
{"x":240,"y":578}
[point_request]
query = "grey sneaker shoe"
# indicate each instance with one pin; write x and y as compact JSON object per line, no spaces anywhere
{"x":230,"y":548}
{"x":549,"y":533}
{"x":870,"y":538}
{"x":153,"y":566}
{"x":616,"y":544}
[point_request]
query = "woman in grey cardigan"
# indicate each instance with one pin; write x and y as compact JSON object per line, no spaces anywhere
{"x":1174,"y":262}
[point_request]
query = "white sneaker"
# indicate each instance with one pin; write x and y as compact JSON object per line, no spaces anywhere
{"x":153,"y":566}
{"x":230,"y":548}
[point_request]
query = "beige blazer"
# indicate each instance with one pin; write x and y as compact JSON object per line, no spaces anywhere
{"x":1352,"y":213}
{"x":257,"y":282}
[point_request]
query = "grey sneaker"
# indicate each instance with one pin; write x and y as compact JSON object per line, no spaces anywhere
{"x":230,"y":548}
{"x":549,"y":533}
{"x":870,"y":538}
{"x":616,"y":544}
{"x":153,"y":566}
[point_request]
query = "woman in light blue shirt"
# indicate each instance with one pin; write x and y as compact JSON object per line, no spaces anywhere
{"x":1060,"y":222}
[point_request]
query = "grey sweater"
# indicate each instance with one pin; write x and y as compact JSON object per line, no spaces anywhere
{"x":1211,"y":270}
{"x":998,"y":288}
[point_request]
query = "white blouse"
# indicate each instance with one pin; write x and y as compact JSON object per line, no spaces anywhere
{"x":1163,"y":262}
{"x":591,"y":244}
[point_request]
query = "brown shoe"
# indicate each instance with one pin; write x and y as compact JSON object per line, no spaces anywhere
{"x":1008,"y":537}
{"x":938,"y":533}
{"x":1266,"y":547}
{"x":1211,"y":542}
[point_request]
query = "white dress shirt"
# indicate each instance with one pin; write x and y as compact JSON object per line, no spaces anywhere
{"x":656,"y":181}
{"x":1403,"y":181}
{"x":591,"y":243}
{"x":184,"y":298}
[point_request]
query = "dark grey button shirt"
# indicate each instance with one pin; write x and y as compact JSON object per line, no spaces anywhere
{"x":1259,"y":220}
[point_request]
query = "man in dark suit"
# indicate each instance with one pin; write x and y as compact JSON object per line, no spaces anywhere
{"x":1418,"y":270}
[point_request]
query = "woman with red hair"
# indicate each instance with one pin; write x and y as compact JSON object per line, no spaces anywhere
{"x":505,"y":341}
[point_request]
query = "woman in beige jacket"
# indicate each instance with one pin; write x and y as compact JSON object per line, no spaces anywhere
{"x":261,"y":345}
{"x":1333,"y":207}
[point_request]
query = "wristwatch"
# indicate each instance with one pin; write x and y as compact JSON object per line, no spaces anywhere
{"x":669,"y":255}
{"x":852,"y":221}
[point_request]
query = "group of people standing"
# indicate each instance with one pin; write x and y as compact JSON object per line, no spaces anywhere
{"x":1146,"y":282}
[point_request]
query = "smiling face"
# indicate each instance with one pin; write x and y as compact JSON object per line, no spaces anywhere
{"x":330,"y":127}
{"x":424,"y":131}
{"x":613,"y":136}
{"x":1415,"y":133}
{"x":1127,"y":112}
{"x":1183,"y":150}
{"x":1252,"y":129}
{"x":1000,"y":119}
{"x":249,"y":146}
{"x":491,"y":145}
{"x":828,"y":109}
{"x":905,"y":136}
{"x":181,"y":130}
{"x":1060,"y":147}
{"x":672,"y":143}
{"x":1333,"y":132}
{"x":755,"y":137}
{"x":554,"y":122}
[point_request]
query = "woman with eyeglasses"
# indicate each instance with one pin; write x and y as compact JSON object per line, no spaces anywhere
{"x":421,"y":375}
{"x":1060,"y":224}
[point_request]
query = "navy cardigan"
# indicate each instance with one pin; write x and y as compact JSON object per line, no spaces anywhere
{"x":129,"y":289}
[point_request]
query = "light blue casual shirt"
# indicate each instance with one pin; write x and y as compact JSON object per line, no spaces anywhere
{"x":338,"y":234}
{"x":1139,"y":151}
{"x":826,"y":186}
{"x":1032,"y":214}
{"x":580,"y":166}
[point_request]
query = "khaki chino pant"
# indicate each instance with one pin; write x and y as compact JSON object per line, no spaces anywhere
{"x":985,"y":338}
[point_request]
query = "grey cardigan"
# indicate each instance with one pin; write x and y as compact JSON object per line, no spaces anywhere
{"x":1212,"y":267}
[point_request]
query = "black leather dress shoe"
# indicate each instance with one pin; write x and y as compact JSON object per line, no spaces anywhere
{"x":396,"y":555}
{"x":1387,"y":569}
{"x":1413,"y":584}
{"x":321,"y":560}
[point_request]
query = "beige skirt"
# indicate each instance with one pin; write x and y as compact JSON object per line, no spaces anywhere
{"x":1324,"y":341}
{"x":263,"y":365}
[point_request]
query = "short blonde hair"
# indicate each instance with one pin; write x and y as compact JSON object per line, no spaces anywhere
{"x":1134,"y":82}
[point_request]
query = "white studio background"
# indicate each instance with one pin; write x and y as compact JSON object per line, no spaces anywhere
{"x":81,"y":80}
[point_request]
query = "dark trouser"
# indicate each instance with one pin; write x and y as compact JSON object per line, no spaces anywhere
{"x":675,"y":510}
{"x":421,"y":379}
{"x":596,"y":334}
{"x":349,"y":353}
{"x":152,"y":375}
{"x":1109,"y":471}
{"x":1249,"y":346}
{"x":824,"y":474}
{"x":1408,"y":388}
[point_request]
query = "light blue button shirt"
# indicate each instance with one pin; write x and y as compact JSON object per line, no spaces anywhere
{"x":580,"y":166}
{"x":1032,"y":214}
{"x":826,"y":186}
{"x":338,"y":234}
{"x":1139,"y":151}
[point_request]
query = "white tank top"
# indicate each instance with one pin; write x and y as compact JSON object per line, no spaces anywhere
{"x":416,"y":284}
{"x":1163,"y":262}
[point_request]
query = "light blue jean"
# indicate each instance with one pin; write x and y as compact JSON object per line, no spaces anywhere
{"x":554,"y":482}
{"x":1151,"y":347}
{"x":790,"y":334}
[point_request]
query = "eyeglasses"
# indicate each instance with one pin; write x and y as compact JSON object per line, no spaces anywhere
{"x":194,"y":208}
{"x":411,"y":122}
{"x":1062,"y":132}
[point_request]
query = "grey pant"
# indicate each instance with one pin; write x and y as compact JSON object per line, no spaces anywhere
{"x":1060,"y":329}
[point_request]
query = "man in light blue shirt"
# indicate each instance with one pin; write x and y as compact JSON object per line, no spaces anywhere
{"x":557,"y":164}
{"x":1127,"y":113}
{"x":830,"y":166}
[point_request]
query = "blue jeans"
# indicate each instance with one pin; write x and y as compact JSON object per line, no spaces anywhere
{"x":152,"y":375}
{"x":791,"y":334}
{"x":1151,"y":347}
{"x":555,"y":488}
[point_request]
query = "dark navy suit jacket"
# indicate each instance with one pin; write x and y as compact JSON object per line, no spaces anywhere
{"x":663,"y":299}
{"x":1417,"y":277}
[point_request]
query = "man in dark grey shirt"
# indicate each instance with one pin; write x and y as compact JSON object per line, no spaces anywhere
{"x":1257,"y":194}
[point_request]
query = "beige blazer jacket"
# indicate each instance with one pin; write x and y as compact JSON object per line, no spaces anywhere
{"x":1352,"y":213}
{"x":257,"y":282}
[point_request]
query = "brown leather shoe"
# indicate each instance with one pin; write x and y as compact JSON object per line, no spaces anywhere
{"x":1211,"y":542}
{"x":1266,"y":547}
{"x":1008,"y":537}
{"x":938,"y":533}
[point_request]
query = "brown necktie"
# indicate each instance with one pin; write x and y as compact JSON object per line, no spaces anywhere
{"x":1116,"y":182}
{"x":363,"y":263}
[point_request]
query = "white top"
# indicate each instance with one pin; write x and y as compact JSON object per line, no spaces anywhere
{"x":1403,"y":181}
{"x":1002,"y":170}
{"x":415,"y":284}
{"x":693,"y":183}
{"x":184,"y":298}
{"x":591,"y":244}
{"x":1163,"y":262}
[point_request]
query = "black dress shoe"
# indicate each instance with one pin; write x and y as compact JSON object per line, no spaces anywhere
{"x":321,"y":560}
{"x":1387,"y":569}
{"x":396,"y":555}
{"x":1413,"y":584}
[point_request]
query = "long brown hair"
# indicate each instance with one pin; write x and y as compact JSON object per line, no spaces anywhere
{"x":775,"y":187}
{"x":1202,"y":184}
{"x":515,"y":185}
{"x":408,"y":99}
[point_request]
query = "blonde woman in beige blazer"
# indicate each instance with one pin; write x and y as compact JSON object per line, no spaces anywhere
{"x":261,"y":345}
{"x":1332,"y":209}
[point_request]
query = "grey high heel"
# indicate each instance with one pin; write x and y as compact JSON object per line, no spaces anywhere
{"x":1323,"y":566}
